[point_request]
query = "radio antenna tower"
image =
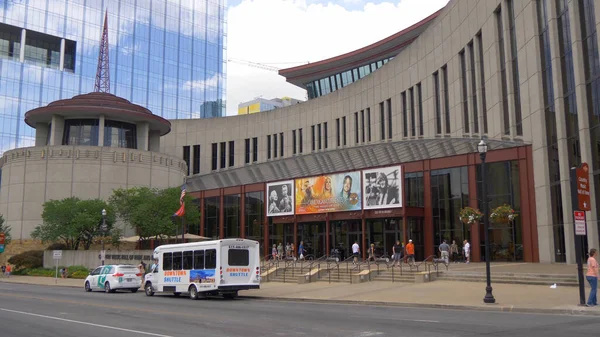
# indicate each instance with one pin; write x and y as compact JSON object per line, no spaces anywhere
{"x":103,"y":73}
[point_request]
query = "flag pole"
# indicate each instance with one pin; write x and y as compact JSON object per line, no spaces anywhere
{"x":183,"y":216}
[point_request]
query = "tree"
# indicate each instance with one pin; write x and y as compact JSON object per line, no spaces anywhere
{"x":4,"y":228}
{"x":73,"y":221}
{"x":150,"y":211}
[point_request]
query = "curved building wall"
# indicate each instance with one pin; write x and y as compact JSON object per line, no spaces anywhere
{"x":483,"y":68}
{"x":34,"y":175}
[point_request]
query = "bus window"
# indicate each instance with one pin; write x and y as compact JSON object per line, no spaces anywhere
{"x":239,"y":257}
{"x":210,"y":259}
{"x":198,"y":259}
{"x":167,"y":261}
{"x":177,"y":260}
{"x":188,"y":260}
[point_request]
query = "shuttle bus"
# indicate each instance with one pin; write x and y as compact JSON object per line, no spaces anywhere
{"x":217,"y":267}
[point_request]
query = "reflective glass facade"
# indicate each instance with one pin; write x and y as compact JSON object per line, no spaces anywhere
{"x":166,"y":55}
{"x":334,"y":82}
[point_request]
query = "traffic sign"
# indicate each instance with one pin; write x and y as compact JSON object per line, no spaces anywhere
{"x":57,"y":254}
{"x":583,"y":187}
{"x":1,"y":248}
{"x":580,"y":225}
{"x":2,"y":239}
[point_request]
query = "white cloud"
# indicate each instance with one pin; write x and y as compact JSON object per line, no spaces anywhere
{"x":281,"y":32}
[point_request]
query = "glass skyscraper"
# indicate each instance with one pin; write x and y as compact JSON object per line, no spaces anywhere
{"x":166,"y":55}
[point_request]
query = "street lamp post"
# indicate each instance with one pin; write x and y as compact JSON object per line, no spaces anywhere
{"x":103,"y":230}
{"x":489,"y":297}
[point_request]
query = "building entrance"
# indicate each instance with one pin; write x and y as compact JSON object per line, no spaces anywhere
{"x":383,"y":233}
{"x":415,"y":233}
{"x":281,"y":233}
{"x":313,"y":235}
{"x":343,"y":235}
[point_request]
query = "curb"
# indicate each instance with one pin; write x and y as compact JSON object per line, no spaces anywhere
{"x":43,"y":284}
{"x":491,"y":308}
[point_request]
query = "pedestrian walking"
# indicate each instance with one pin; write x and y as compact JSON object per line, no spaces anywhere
{"x":397,"y":251}
{"x":444,"y":249}
{"x":8,"y":270}
{"x":467,"y":251}
{"x":355,"y":252}
{"x":454,"y":251}
{"x":410,"y":252}
{"x":592,"y":277}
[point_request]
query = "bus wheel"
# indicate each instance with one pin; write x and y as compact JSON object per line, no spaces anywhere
{"x":193,"y":292}
{"x":176,"y":294}
{"x":148,"y":289}
{"x":230,"y":296}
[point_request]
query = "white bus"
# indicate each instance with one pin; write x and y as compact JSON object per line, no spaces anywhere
{"x":217,"y":267}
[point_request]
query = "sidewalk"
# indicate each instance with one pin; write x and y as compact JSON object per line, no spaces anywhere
{"x":438,"y":294}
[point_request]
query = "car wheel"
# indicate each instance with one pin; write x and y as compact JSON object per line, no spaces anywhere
{"x":148,"y":289}
{"x":193,"y":293}
{"x":107,"y":288}
{"x":134,"y":290}
{"x":87,"y":287}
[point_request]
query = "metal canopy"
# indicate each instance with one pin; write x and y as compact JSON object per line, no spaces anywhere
{"x":355,"y":158}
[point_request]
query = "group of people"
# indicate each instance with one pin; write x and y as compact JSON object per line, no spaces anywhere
{"x":278,"y":253}
{"x":447,"y":250}
{"x":6,"y":270}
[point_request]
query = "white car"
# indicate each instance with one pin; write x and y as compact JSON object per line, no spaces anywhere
{"x":113,"y":277}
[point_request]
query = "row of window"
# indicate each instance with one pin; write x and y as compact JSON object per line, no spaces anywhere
{"x":86,"y":132}
{"x":219,"y":151}
{"x":276,"y":149}
{"x":332,"y":83}
{"x":40,"y":49}
{"x":195,"y":159}
{"x":190,"y":260}
{"x":412,"y":108}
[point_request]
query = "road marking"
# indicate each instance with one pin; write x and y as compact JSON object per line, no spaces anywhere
{"x":422,"y":320}
{"x":86,"y":323}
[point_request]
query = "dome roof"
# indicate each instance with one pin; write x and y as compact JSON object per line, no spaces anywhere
{"x":95,"y":104}
{"x":99,"y":99}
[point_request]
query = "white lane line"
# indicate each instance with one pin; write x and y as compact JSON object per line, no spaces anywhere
{"x":86,"y":323}
{"x":422,"y":320}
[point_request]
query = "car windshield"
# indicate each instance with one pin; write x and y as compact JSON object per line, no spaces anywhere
{"x":130,"y":269}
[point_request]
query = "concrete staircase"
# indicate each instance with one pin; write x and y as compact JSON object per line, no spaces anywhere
{"x":287,"y":275}
{"x":389,"y":275}
{"x":511,"y":278}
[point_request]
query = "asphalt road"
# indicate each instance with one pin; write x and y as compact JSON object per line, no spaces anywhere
{"x":27,"y":310}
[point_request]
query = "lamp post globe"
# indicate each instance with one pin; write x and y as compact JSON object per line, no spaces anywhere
{"x":482,"y":148}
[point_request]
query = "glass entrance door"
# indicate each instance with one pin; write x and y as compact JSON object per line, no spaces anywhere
{"x":343,"y":235}
{"x":415,"y":233}
{"x":384,"y":233}
{"x":281,"y":233}
{"x":313,"y":236}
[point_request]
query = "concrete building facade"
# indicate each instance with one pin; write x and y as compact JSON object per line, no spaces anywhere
{"x":522,"y":73}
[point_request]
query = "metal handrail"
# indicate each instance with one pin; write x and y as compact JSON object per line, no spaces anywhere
{"x":417,"y":265}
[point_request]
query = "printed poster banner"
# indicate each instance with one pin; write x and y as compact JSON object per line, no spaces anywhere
{"x":328,"y":193}
{"x":382,"y":187}
{"x":281,"y":201}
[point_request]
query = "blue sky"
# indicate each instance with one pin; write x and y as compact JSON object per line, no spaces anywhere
{"x":286,"y":33}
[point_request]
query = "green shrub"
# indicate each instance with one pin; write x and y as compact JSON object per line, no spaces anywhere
{"x":28,"y":259}
{"x":57,"y":246}
{"x":75,"y":272}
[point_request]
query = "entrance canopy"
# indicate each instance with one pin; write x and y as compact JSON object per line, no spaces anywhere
{"x":355,"y":158}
